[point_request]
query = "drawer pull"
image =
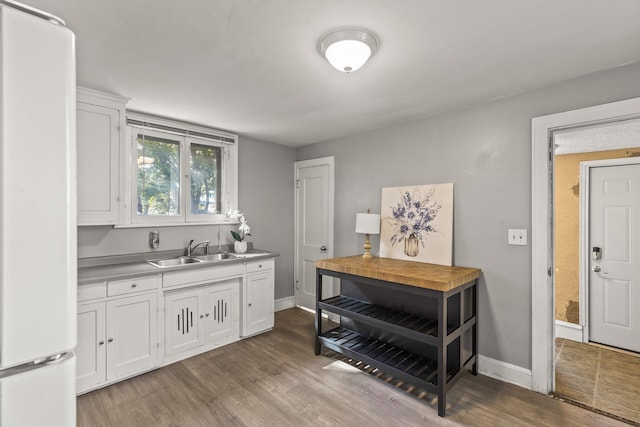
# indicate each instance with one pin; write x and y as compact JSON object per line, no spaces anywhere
{"x":207,"y":314}
{"x":133,"y":285}
{"x":259,"y":265}
{"x":110,"y":340}
{"x":101,"y":342}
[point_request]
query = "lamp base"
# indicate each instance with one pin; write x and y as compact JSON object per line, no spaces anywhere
{"x":367,"y":248}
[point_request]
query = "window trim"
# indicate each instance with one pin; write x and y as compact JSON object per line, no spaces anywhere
{"x":187,"y":132}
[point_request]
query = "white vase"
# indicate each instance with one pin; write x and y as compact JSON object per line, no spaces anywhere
{"x":240,"y":247}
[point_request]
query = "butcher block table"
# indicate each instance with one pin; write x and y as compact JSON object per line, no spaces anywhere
{"x":414,"y":321}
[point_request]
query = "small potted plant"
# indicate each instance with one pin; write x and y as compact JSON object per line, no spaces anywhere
{"x":239,"y":244}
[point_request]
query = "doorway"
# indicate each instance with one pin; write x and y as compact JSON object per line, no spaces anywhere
{"x":543,"y":301}
{"x":579,"y":153}
{"x":314,"y":199}
{"x":593,"y":182}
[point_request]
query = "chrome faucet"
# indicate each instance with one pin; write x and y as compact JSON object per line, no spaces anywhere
{"x":190,"y":248}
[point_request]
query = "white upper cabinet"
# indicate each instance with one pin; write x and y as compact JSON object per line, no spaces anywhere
{"x":100,"y":134}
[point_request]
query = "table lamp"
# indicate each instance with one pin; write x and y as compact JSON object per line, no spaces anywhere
{"x":367,"y":223}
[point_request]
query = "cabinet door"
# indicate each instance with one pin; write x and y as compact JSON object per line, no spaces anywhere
{"x":132,"y":335}
{"x":98,"y":138}
{"x":182,"y":321}
{"x":259,"y":303}
{"x":91,"y":368}
{"x":220,"y":313}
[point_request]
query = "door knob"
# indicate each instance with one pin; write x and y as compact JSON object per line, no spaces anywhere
{"x":323,"y":249}
{"x":595,"y":268}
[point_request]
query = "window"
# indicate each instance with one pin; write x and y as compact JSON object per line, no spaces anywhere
{"x":180,"y":173}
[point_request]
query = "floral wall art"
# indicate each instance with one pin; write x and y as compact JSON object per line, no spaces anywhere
{"x":417,"y":223}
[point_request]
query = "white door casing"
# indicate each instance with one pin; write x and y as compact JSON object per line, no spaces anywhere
{"x":542,"y":330}
{"x":314,"y":224}
{"x":614,"y":228}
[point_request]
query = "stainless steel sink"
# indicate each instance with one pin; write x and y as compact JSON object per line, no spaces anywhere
{"x":174,"y":262}
{"x":189,"y":260}
{"x":214,"y":257}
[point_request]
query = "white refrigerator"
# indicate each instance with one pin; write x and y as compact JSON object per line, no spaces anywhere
{"x":38,"y":289}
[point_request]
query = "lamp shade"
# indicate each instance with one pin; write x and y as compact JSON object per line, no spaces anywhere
{"x":368,"y":223}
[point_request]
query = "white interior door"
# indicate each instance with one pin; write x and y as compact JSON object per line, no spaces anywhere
{"x":314,"y":224}
{"x":614,"y":238}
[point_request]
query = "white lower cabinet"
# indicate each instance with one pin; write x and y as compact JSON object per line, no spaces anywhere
{"x":201,"y":317}
{"x":91,"y":355}
{"x":120,"y":330}
{"x":258,"y":297}
{"x":116,"y":339}
{"x":182,"y":321}
{"x":132,"y":335}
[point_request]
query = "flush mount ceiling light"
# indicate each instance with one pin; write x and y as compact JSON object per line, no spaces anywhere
{"x":348,"y":49}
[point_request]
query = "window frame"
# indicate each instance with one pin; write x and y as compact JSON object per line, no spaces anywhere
{"x":187,"y":133}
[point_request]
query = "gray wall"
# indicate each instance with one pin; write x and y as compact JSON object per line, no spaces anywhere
{"x":266,"y":198}
{"x":486,"y":152}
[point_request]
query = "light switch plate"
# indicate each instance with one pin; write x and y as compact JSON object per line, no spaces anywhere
{"x":517,"y":237}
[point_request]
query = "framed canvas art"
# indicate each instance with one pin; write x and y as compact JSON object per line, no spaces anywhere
{"x":417,"y":223}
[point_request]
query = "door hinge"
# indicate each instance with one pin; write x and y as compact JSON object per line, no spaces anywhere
{"x":297,"y":183}
{"x":297,"y":285}
{"x":549,"y":272}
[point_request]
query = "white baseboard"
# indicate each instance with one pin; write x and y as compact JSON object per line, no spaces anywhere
{"x":504,"y":371}
{"x":284,"y":303}
{"x":569,"y":331}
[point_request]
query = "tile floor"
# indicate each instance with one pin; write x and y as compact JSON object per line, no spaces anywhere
{"x":598,"y":377}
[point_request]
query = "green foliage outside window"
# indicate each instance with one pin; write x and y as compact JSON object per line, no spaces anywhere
{"x":205,"y":185}
{"x":158,"y":176}
{"x":158,"y":166}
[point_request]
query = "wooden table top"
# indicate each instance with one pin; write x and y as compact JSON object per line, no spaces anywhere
{"x":418,"y":274}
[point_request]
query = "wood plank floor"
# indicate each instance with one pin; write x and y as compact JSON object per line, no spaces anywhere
{"x":275,"y":380}
{"x":599,"y":377}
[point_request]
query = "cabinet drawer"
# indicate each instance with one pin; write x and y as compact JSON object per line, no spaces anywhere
{"x":262,"y":265}
{"x":91,"y":291}
{"x":137,"y":284}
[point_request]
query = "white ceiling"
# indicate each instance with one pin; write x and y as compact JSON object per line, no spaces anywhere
{"x":252,"y":66}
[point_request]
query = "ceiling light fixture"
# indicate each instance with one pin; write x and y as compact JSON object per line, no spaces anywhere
{"x":348,"y":49}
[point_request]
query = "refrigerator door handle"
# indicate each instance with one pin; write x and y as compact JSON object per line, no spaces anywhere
{"x":33,"y":11}
{"x":26,"y":367}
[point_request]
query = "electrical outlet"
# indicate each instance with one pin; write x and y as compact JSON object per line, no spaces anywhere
{"x":517,"y":237}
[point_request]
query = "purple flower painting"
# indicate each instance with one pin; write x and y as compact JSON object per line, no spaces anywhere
{"x":417,"y":223}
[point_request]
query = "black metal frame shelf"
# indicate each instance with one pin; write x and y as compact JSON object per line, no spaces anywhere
{"x":400,"y":322}
{"x":412,"y":346}
{"x":400,"y":363}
